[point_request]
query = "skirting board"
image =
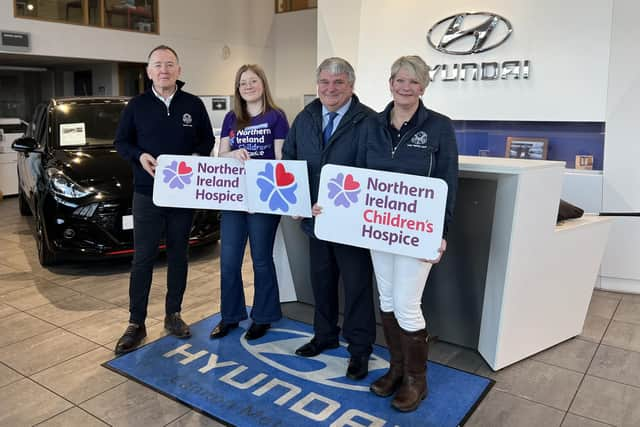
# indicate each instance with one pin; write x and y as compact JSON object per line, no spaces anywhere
{"x":615,"y":284}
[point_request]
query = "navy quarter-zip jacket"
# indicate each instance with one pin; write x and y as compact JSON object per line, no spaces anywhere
{"x":429,"y":149}
{"x":148,"y":126}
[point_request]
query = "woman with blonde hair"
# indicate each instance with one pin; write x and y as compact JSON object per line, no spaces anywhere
{"x":254,"y":129}
{"x":408,"y":138}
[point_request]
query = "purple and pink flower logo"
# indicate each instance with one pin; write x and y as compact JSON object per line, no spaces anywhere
{"x":177,"y":174}
{"x":344,"y":190}
{"x":277,"y":186}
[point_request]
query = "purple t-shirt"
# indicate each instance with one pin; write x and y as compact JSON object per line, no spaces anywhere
{"x":258,"y":137}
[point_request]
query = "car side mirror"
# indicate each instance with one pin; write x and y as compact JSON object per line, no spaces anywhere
{"x":24,"y":144}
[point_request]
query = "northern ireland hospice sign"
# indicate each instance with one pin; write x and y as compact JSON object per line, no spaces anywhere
{"x":267,"y":186}
{"x":279,"y":187}
{"x":385,"y":211}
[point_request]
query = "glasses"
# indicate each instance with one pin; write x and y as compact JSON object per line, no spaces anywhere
{"x":245,"y":83}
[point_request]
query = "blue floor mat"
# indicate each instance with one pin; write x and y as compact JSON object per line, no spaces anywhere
{"x":263,"y":383}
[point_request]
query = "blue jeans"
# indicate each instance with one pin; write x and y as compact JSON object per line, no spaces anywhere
{"x":261,"y":229}
{"x":150,"y":224}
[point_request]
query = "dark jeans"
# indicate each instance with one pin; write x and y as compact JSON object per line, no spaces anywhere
{"x":150,"y":224}
{"x":260,"y":229}
{"x":330,"y":261}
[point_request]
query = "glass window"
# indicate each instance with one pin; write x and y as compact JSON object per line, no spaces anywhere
{"x":54,"y":10}
{"x":132,"y":15}
{"x":100,"y":120}
{"x":293,"y":5}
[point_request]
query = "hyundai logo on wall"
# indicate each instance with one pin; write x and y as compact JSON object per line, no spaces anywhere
{"x":469,"y":32}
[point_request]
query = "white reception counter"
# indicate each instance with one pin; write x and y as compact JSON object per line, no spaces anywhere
{"x":512,"y":282}
{"x":540,"y":276}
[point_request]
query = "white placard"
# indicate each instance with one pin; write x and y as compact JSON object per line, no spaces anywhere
{"x":72,"y":134}
{"x":274,"y":187}
{"x":385,"y":211}
{"x":127,"y":222}
{"x":278,"y":187}
{"x":200,"y":182}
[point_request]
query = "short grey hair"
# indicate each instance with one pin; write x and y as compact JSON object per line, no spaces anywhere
{"x":163,"y":47}
{"x":335,"y":65}
{"x":415,"y":65}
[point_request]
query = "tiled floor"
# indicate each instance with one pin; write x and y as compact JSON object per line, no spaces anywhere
{"x":60,"y":324}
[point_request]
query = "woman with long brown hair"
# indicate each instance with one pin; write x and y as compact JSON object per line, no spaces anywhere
{"x":255,"y":129}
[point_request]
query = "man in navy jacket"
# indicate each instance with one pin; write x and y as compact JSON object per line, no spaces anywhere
{"x":163,"y":120}
{"x":326,"y":131}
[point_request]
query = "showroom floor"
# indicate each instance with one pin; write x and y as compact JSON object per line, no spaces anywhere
{"x":60,"y":324}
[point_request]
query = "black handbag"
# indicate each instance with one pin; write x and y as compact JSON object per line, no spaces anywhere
{"x":568,"y":211}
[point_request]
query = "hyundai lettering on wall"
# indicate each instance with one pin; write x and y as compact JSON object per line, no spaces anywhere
{"x":470,"y":33}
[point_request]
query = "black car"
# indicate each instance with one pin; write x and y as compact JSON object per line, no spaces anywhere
{"x":76,"y":185}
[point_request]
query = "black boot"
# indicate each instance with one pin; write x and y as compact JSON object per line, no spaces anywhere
{"x":174,"y":324}
{"x":387,"y":384}
{"x":131,"y":339}
{"x":413,"y":389}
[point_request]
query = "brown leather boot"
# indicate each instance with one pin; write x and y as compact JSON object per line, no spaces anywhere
{"x":413,"y":389}
{"x":387,"y":384}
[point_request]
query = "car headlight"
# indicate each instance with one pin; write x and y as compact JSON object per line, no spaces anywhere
{"x":65,"y":186}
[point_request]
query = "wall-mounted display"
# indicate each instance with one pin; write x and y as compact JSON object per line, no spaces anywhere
{"x":527,"y":148}
{"x":566,"y":140}
{"x":584,"y":162}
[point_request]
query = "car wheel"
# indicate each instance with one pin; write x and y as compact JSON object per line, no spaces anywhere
{"x":23,"y":206}
{"x":45,"y":255}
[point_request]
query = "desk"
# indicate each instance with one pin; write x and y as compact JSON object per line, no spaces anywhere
{"x":521,"y":283}
{"x":512,"y":283}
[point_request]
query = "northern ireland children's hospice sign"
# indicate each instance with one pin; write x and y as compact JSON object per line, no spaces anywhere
{"x":266,"y":186}
{"x":385,"y":211}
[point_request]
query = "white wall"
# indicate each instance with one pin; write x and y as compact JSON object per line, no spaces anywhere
{"x":295,"y":59}
{"x":566,"y":55}
{"x":339,"y":30}
{"x":584,"y":67}
{"x":620,"y":268}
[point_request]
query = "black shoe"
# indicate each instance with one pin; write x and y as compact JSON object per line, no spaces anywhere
{"x":174,"y":324}
{"x":358,"y":367}
{"x":256,"y":330}
{"x":222,"y":329}
{"x":131,"y":339}
{"x":315,"y":347}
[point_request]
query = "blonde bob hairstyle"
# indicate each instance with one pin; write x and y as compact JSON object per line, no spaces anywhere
{"x":240,"y":105}
{"x":414,"y":65}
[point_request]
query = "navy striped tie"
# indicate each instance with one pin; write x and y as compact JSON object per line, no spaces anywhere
{"x":328,"y":129}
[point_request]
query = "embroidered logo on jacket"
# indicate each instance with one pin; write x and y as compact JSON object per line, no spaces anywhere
{"x":419,"y":140}
{"x":186,"y":119}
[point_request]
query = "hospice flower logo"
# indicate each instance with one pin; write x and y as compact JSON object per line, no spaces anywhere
{"x":344,"y":190}
{"x":277,"y":187}
{"x":177,"y":174}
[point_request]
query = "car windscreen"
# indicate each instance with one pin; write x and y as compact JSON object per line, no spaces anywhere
{"x":78,"y":125}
